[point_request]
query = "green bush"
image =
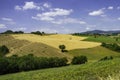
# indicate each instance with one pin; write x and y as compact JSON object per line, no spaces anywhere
{"x":62,"y":47}
{"x":106,"y":58}
{"x":3,"y":65}
{"x":79,"y":60}
{"x":3,"y":50}
{"x":114,"y":47}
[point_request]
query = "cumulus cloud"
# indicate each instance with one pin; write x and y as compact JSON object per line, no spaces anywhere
{"x":2,"y":26}
{"x":46,"y":5}
{"x":27,"y":6}
{"x":97,"y":12}
{"x":18,"y":8}
{"x":68,"y":20}
{"x":110,"y":7}
{"x":49,"y":16}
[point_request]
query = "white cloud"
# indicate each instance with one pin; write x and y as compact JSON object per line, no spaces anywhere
{"x":30,"y":5}
{"x":18,"y":7}
{"x":110,"y":7}
{"x":27,"y":6}
{"x":47,"y":30}
{"x":119,"y":18}
{"x":46,"y":5}
{"x":2,"y":26}
{"x":20,"y":28}
{"x":50,"y":16}
{"x":97,"y":12}
{"x":8,"y":20}
{"x":118,"y":7}
{"x":87,"y":28}
{"x":68,"y":20}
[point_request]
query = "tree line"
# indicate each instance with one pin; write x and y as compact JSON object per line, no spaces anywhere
{"x":12,"y":32}
{"x":29,"y":62}
{"x":111,"y":46}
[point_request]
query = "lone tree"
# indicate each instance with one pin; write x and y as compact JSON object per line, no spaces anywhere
{"x":62,"y":47}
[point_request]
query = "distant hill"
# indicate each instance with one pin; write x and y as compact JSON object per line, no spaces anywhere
{"x":101,"y":32}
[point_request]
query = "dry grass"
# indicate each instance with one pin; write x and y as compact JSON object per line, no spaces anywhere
{"x":24,"y":47}
{"x":71,"y":42}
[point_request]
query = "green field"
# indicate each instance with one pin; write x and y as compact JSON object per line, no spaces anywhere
{"x":104,"y":70}
{"x":106,"y":39}
{"x":95,"y":53}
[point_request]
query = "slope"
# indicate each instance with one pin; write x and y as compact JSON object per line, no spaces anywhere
{"x":95,"y":53}
{"x":71,"y":42}
{"x":104,"y":70}
{"x":24,"y":47}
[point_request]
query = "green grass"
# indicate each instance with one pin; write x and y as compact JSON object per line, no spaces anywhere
{"x":106,"y":39}
{"x":95,"y":53}
{"x":89,"y":71}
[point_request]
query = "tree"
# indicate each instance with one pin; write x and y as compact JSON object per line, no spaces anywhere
{"x":3,"y":65}
{"x":8,"y":32}
{"x":62,"y":47}
{"x":3,"y":50}
{"x":79,"y":60}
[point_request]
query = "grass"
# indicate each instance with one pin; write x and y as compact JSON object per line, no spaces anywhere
{"x":48,"y":46}
{"x":95,"y":53}
{"x":106,"y":39}
{"x":71,"y":42}
{"x":24,"y":47}
{"x":90,"y":71}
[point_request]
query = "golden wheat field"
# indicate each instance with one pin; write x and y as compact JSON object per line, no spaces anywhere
{"x":71,"y":42}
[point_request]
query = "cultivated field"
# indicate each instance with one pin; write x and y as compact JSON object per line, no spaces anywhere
{"x":24,"y":47}
{"x":71,"y":42}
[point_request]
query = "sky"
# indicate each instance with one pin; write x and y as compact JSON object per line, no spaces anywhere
{"x":59,"y":16}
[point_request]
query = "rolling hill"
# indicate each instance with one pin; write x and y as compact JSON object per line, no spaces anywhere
{"x":47,"y":46}
{"x":24,"y":47}
{"x":103,"y":70}
{"x":71,"y":42}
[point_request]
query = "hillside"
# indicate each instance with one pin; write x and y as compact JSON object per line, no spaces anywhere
{"x":24,"y":47}
{"x":71,"y":42}
{"x":106,"y":39}
{"x":104,"y":70}
{"x":95,"y":53}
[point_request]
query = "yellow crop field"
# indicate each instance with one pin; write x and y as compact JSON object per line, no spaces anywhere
{"x":71,"y":42}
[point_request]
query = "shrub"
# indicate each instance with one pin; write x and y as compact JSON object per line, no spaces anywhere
{"x":62,"y":47}
{"x":3,"y":50}
{"x":3,"y":65}
{"x":114,"y":47}
{"x":106,"y":58}
{"x":79,"y":60}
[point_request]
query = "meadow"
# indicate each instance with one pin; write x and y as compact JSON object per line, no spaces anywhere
{"x":106,"y":39}
{"x":103,"y":70}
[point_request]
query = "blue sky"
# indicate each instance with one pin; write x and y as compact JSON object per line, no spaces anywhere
{"x":61,"y":16}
